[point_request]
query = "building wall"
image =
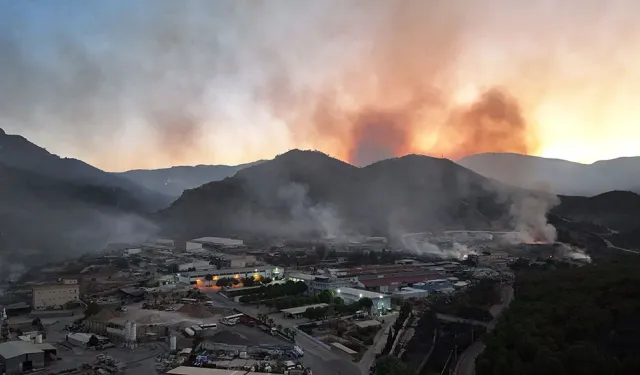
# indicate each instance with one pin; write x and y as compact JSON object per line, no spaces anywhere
{"x":54,"y":297}
{"x":378,"y":303}
{"x":317,"y":286}
{"x":191,"y":246}
{"x":13,"y":365}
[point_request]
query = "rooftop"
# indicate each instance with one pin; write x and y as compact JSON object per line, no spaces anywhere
{"x":55,"y":286}
{"x":368,"y":323}
{"x":185,"y":370}
{"x":11,"y":349}
{"x":361,"y":293}
{"x":379,"y":269}
{"x":218,"y":241}
{"x":385,"y":281}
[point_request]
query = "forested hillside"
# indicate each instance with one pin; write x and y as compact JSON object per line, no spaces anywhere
{"x":570,"y":321}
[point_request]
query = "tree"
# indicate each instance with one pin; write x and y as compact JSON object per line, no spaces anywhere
{"x":390,"y":365}
{"x":366,"y":303}
{"x":326,"y":296}
{"x":249,"y":281}
{"x":92,"y":309}
{"x":208,"y":278}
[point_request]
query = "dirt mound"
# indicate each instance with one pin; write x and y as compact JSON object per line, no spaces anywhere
{"x":196,"y":311}
{"x":105,"y":315}
{"x":152,"y":318}
{"x":230,"y":338}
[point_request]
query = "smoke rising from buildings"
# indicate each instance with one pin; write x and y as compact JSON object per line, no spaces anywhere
{"x":309,"y":217}
{"x":231,"y":81}
{"x":529,"y":216}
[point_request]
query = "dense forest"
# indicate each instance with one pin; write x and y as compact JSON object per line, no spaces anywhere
{"x":569,"y":321}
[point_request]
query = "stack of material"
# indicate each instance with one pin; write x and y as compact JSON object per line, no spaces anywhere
{"x":166,"y":362}
{"x":103,"y":364}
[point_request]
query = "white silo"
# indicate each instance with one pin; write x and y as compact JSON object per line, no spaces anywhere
{"x":127,"y":331}
{"x":173,"y":343}
{"x":39,"y":338}
{"x":134,"y":332}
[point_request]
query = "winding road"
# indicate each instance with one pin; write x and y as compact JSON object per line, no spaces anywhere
{"x":466,"y":365}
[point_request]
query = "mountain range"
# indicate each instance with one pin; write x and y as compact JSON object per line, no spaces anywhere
{"x":310,"y":193}
{"x":18,"y":153}
{"x":558,"y":176}
{"x":56,"y":206}
{"x":173,"y":181}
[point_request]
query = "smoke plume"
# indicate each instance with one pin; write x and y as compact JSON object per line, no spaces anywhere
{"x":529,"y":216}
{"x":191,"y":82}
{"x":309,"y":217}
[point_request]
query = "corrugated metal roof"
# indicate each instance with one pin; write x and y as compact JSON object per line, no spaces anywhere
{"x":185,"y":370}
{"x":386,"y":281}
{"x":12,"y":349}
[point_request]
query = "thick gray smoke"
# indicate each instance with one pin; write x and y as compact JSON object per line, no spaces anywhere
{"x":309,"y":217}
{"x":529,"y":216}
{"x":417,"y":243}
{"x":104,"y":228}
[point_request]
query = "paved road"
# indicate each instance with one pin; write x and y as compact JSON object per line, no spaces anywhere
{"x":378,"y":344}
{"x":612,"y":246}
{"x":466,"y":365}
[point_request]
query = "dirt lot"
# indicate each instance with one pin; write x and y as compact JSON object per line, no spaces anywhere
{"x":141,"y":361}
{"x":193,"y":314}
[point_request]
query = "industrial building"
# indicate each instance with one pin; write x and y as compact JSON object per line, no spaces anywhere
{"x":407,"y":292}
{"x":55,"y":296}
{"x":436,"y":286}
{"x":212,"y":243}
{"x":21,"y":356}
{"x":82,"y":339}
{"x":381,"y":302}
{"x":194,"y":277}
{"x":322,"y":283}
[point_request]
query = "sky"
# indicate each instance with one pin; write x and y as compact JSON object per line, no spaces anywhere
{"x":127,"y":84}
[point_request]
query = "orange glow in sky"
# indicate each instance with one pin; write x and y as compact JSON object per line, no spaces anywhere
{"x":233,"y":82}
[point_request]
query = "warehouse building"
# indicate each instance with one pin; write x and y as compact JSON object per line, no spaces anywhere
{"x":55,"y":296}
{"x":213,"y":243}
{"x":381,"y":302}
{"x":20,"y":356}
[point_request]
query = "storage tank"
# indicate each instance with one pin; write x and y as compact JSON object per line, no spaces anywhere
{"x":39,"y":338}
{"x":134,"y":331}
{"x":173,"y":343}
{"x":127,"y":331}
{"x":189,"y":332}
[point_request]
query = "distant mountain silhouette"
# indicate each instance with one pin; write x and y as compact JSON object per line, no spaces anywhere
{"x":42,"y":218}
{"x":173,"y":181}
{"x":310,"y":193}
{"x":17,"y":152}
{"x":558,"y":176}
{"x":616,"y":210}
